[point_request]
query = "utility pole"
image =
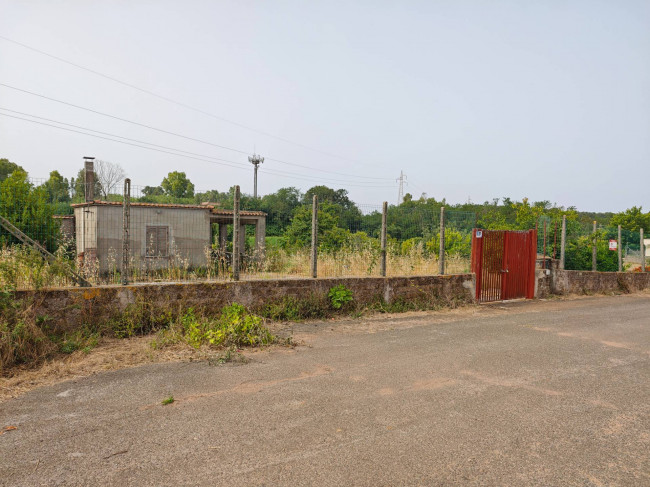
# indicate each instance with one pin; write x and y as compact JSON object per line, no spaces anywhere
{"x":401,"y":179}
{"x":255,"y":160}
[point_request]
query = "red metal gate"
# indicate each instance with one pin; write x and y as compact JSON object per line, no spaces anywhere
{"x":504,"y":264}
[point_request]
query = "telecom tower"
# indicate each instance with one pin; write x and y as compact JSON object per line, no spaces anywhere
{"x":255,"y":160}
{"x":401,"y":179}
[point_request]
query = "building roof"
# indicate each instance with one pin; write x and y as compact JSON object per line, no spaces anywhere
{"x":210,"y":207}
{"x":219,"y":211}
{"x":150,"y":205}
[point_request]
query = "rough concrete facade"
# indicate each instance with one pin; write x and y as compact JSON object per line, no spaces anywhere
{"x":586,"y":282}
{"x":71,"y":307}
{"x":99,"y":231}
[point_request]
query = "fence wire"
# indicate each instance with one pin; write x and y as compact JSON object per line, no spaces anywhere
{"x":165,"y":238}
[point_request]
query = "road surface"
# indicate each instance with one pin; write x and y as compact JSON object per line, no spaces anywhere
{"x":544,"y":393}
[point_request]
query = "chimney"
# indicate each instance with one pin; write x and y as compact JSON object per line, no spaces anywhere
{"x":89,"y":182}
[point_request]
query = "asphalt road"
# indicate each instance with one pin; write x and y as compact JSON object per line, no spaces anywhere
{"x":547,"y":393}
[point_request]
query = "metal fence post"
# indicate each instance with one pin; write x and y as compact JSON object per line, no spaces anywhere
{"x":235,"y":235}
{"x":594,"y":249}
{"x":441,"y":251}
{"x":384,"y":213}
{"x":126,"y":225}
{"x":642,"y":247}
{"x":563,"y":242}
{"x":620,"y":251}
{"x":314,"y":238}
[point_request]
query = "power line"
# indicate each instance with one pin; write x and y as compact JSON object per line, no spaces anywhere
{"x":179,"y":135}
{"x":175,"y":102}
{"x":210,"y":159}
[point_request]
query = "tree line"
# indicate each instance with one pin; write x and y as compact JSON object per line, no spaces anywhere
{"x":341,"y":221}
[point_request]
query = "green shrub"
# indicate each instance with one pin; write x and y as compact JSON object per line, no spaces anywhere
{"x":234,"y":327}
{"x":578,"y":255}
{"x":339,"y":295}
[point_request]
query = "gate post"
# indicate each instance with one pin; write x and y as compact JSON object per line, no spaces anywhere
{"x":563,"y":242}
{"x":441,"y":254}
{"x":235,"y":235}
{"x":384,"y":212}
{"x":314,"y":238}
{"x":620,"y":251}
{"x":642,"y":248}
{"x":126,"y":224}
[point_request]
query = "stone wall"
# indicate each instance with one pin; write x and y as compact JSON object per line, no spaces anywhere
{"x":68,"y":308}
{"x":587,"y":282}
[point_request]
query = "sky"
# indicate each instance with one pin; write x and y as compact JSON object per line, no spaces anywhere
{"x":472,"y":100}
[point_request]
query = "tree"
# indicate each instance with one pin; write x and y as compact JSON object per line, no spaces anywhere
{"x":330,"y":236}
{"x":6,"y":168}
{"x":27,"y":208}
{"x":177,"y":185}
{"x":58,"y":188}
{"x":153,"y":191}
{"x":109,"y":174}
{"x":279,"y":207}
{"x":632,"y":219}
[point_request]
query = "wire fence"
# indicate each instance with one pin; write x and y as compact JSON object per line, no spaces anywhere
{"x":160,"y":238}
{"x":587,"y":244}
{"x":46,"y":241}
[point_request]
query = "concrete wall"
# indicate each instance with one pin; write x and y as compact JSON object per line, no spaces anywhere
{"x":71,"y":307}
{"x":586,"y":282}
{"x":189,"y":235}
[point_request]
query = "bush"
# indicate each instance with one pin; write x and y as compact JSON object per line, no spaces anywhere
{"x":339,"y":295}
{"x":579,"y":254}
{"x":21,"y":339}
{"x":234,"y":327}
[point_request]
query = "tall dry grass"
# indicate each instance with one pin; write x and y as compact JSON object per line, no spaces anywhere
{"x":24,"y":268}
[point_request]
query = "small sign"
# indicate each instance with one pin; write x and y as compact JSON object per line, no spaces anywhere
{"x":613,"y":245}
{"x":479,"y":233}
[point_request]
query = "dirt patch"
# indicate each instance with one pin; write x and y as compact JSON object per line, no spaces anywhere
{"x":110,"y":354}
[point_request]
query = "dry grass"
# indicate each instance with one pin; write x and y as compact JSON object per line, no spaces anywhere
{"x":110,"y":354}
{"x":22,"y":268}
{"x":358,"y":263}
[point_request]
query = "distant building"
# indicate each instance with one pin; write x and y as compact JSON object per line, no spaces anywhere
{"x":158,"y":233}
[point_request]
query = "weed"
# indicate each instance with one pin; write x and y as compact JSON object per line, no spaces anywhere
{"x":230,"y":355}
{"x":339,"y":295}
{"x":234,"y":327}
{"x":168,"y":400}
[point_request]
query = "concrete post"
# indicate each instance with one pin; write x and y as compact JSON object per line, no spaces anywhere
{"x":126,"y":223}
{"x":563,"y":242}
{"x":314,"y":238}
{"x":620,"y":251}
{"x":223,"y":236}
{"x":594,"y":249}
{"x":235,"y":237}
{"x":260,"y":235}
{"x":242,"y":238}
{"x":642,"y":246}
{"x":441,"y":251}
{"x":384,"y":216}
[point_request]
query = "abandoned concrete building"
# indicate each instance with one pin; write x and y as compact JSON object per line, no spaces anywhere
{"x":158,"y":233}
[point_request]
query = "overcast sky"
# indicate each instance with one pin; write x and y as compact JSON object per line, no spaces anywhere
{"x":472,"y":99}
